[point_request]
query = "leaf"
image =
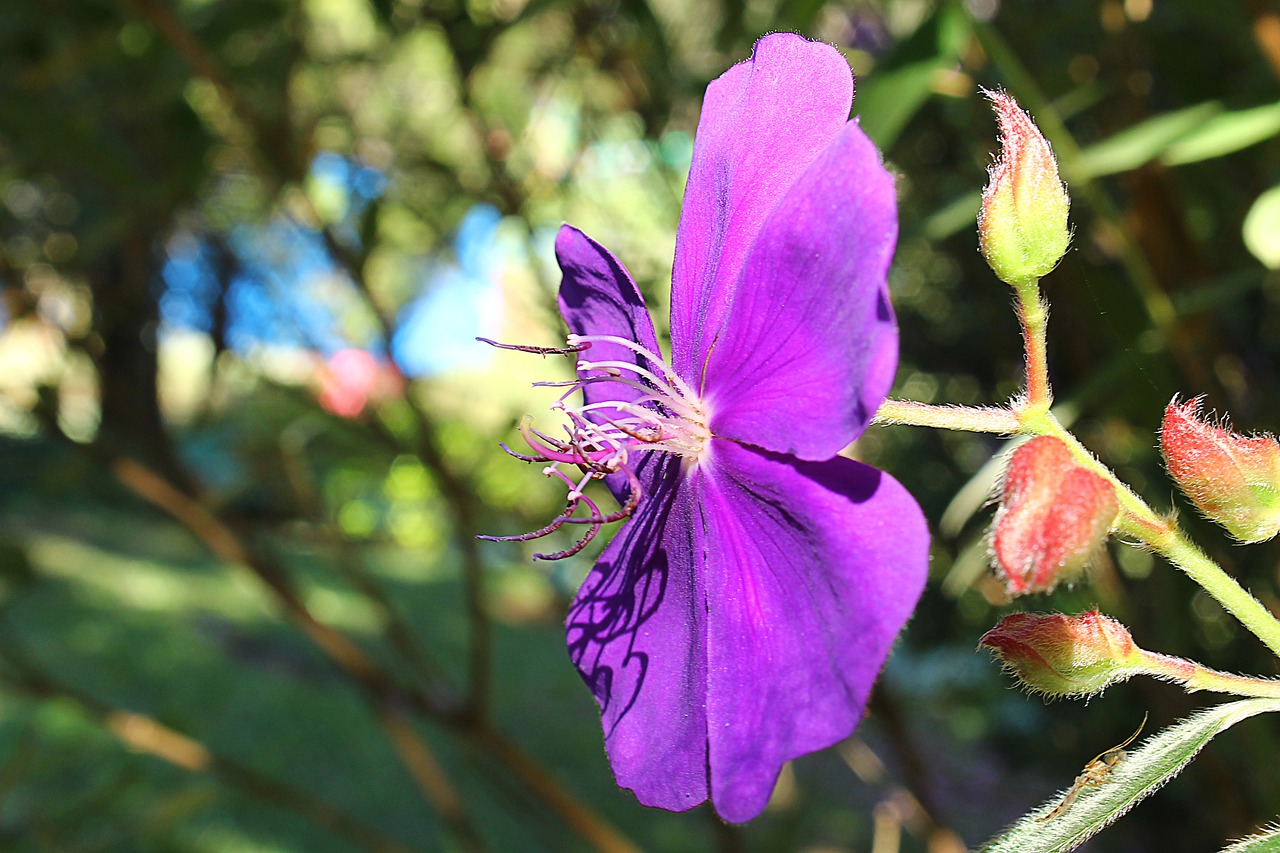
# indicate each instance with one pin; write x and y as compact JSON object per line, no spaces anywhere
{"x":1138,"y":774}
{"x":1225,"y":133}
{"x":1266,"y":841}
{"x":900,"y":84}
{"x":1144,"y":142}
{"x":1200,"y":132}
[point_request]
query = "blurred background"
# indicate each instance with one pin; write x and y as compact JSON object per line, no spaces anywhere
{"x":247,"y":437}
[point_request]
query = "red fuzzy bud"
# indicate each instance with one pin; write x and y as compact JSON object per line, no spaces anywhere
{"x":1054,"y":513}
{"x":1065,"y":655}
{"x":1022,"y":228}
{"x":1233,"y":479}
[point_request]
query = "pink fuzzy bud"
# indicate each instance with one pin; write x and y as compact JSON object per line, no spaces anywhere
{"x":1064,"y":655}
{"x":1054,"y":513}
{"x":1233,"y":479}
{"x":1022,"y":228}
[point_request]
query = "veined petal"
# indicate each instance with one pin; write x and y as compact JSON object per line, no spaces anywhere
{"x":636,"y":633}
{"x":599,"y":297}
{"x":811,"y":571}
{"x":809,"y":347}
{"x":763,"y":122}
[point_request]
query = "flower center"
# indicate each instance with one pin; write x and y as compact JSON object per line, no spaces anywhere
{"x":604,"y":437}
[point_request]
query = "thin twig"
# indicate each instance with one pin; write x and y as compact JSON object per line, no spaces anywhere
{"x":144,"y":734}
{"x":602,"y":835}
{"x":457,"y":496}
{"x":385,"y":697}
{"x":205,"y":64}
{"x":347,"y":559}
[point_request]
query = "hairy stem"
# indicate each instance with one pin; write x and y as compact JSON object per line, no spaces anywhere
{"x":1184,"y":554}
{"x":1033,"y":316}
{"x":963,"y":418}
{"x":1194,"y":676}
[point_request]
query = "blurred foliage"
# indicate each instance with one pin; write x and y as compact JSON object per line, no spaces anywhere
{"x":244,"y":247}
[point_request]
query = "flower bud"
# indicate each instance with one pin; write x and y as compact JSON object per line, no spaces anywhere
{"x":1022,"y":228}
{"x":1233,"y":479}
{"x":1062,"y":655}
{"x":1054,"y":513}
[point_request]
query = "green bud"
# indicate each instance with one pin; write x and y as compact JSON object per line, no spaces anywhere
{"x":1022,"y":228}
{"x":1061,"y":655}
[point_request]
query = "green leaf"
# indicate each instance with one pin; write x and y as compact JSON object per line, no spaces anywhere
{"x":1200,"y":132}
{"x":1144,"y":142}
{"x":900,"y":84}
{"x":1266,"y":841}
{"x":1138,"y":774}
{"x":1225,"y":133}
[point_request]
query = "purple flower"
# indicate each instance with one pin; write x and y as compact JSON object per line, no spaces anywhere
{"x":741,"y":615}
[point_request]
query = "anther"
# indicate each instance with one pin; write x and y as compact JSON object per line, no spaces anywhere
{"x":567,"y":350}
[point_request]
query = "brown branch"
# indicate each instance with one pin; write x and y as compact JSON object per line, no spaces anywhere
{"x":144,"y":734}
{"x":273,"y":142}
{"x":601,"y":834}
{"x":458,"y":497}
{"x":347,"y":560}
{"x":205,"y":64}
{"x":383,"y":695}
{"x":1266,"y":32}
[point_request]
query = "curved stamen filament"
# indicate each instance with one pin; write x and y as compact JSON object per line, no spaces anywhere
{"x":672,"y":392}
{"x":685,"y":390}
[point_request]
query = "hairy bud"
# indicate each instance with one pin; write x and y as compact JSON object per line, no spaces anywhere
{"x":1022,"y":228}
{"x":1062,"y":655}
{"x":1233,"y":479}
{"x":1054,"y":513}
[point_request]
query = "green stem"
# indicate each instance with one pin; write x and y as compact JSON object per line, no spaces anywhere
{"x":1139,"y":272}
{"x":1183,"y":553}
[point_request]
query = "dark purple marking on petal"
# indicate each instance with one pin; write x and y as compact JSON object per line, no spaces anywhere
{"x":636,"y":633}
{"x":812,"y":570}
{"x":763,"y":122}
{"x":809,"y":348}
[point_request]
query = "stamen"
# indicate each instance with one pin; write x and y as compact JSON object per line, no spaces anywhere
{"x":600,"y":437}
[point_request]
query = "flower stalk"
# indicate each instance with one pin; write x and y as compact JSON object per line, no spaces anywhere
{"x":1033,"y":316}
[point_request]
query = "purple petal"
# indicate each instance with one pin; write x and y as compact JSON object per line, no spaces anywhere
{"x":763,"y":122}
{"x":636,"y":634}
{"x":599,"y":297}
{"x":810,"y":345}
{"x":812,"y":569}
